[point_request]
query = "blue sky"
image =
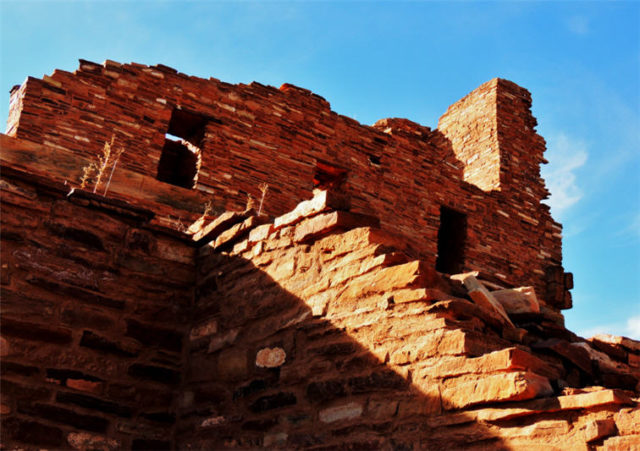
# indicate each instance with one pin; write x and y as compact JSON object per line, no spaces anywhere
{"x":580,"y":60}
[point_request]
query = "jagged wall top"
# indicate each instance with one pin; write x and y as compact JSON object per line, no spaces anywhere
{"x":482,"y":162}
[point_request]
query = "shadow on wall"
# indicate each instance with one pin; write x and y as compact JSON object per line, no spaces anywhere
{"x":339,"y":371}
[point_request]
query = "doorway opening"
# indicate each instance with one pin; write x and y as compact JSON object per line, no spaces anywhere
{"x":452,"y":236}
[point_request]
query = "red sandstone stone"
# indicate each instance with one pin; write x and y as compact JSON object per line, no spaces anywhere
{"x":597,"y":429}
{"x":85,"y":385}
{"x":482,"y":296}
{"x":624,"y":443}
{"x":518,"y":300}
{"x":343,"y":412}
{"x":514,"y":386}
{"x":270,"y":357}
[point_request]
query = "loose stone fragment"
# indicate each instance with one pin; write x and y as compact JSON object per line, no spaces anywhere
{"x":270,"y":357}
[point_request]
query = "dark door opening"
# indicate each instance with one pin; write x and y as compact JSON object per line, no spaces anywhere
{"x":452,"y":235}
{"x":181,"y":154}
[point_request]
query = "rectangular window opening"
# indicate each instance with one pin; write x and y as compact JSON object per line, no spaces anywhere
{"x":452,"y":236}
{"x":181,"y":155}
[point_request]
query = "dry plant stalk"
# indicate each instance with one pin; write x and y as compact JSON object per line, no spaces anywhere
{"x":98,"y":169}
{"x":113,"y":168}
{"x":250,"y":202}
{"x":208,"y":208}
{"x":263,"y":189}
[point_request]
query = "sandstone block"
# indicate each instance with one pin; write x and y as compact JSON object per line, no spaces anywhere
{"x":322,"y":224}
{"x":628,"y":420}
{"x":260,"y":233}
{"x":628,"y":343}
{"x":518,"y":300}
{"x":597,"y":429}
{"x":322,"y":200}
{"x":543,"y":430}
{"x":412,"y":274}
{"x":482,"y":296}
{"x":418,"y":295}
{"x":342,"y":412}
{"x":228,"y":238}
{"x":575,"y":354}
{"x":85,"y":385}
{"x":516,"y":386}
{"x":320,"y":301}
{"x":208,"y":232}
{"x":503,"y":360}
{"x":623,"y":443}
{"x":593,"y":399}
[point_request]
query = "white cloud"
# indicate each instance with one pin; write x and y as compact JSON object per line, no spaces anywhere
{"x":578,"y":25}
{"x":565,"y":155}
{"x":633,"y":327}
{"x":630,"y":329}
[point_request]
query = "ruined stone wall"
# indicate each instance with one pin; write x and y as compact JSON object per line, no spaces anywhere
{"x":397,"y":170}
{"x":312,"y":330}
{"x":470,"y":125}
{"x":95,"y":307}
{"x":317,"y":332}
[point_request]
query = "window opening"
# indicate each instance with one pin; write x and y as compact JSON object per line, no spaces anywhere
{"x":452,"y":236}
{"x":181,"y":155}
{"x":328,"y":176}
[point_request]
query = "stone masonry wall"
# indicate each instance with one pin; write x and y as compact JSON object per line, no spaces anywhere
{"x":95,"y":307}
{"x":470,"y":125}
{"x":397,"y":170}
{"x":315,"y":331}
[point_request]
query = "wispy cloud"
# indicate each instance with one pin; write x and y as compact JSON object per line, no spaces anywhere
{"x":633,"y":327}
{"x":578,"y":25}
{"x":630,"y":329}
{"x":565,"y":155}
